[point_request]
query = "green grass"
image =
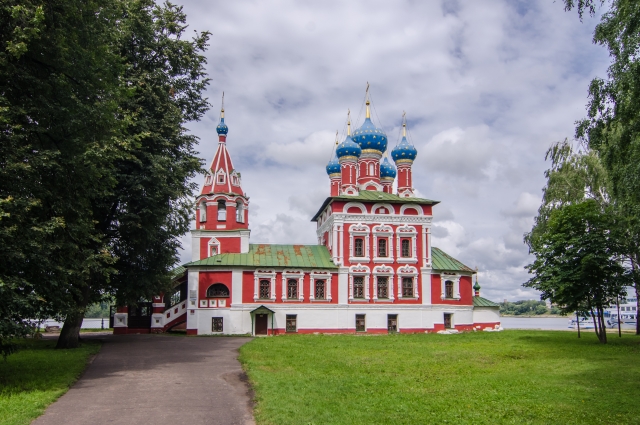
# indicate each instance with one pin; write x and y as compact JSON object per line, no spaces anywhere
{"x":36,"y":376}
{"x":511,"y":377}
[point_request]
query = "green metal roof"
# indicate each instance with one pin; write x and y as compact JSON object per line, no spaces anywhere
{"x":265,"y":255}
{"x":177,"y":272}
{"x":442,"y":261}
{"x":374,"y":196}
{"x":483,"y":302}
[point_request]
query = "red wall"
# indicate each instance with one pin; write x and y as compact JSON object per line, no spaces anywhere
{"x":466,"y":291}
{"x":207,"y":279}
{"x":231,"y":244}
{"x":248,"y":289}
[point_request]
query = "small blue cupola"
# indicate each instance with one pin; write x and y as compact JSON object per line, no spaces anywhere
{"x":404,"y":150}
{"x":387,"y":170}
{"x":368,"y":136}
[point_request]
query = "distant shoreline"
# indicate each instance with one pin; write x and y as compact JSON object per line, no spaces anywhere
{"x":541,"y":316}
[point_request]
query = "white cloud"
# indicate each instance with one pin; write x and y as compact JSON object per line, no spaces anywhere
{"x":487,"y":85}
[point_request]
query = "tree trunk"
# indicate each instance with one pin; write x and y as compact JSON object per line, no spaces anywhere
{"x":70,"y":333}
{"x":636,"y":285}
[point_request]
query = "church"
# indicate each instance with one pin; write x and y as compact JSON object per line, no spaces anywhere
{"x":373,"y":269}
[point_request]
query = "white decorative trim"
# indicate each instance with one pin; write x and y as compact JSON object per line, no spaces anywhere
{"x":264,"y":275}
{"x":320,"y":275}
{"x":408,"y":271}
{"x":455,"y":278}
{"x":388,"y":207}
{"x":406,"y":231}
{"x":383,"y":271}
{"x":348,"y":205}
{"x":359,"y":270}
{"x":383,"y":231}
{"x":418,"y":208}
{"x":359,"y":230}
{"x":213,"y":242}
{"x":292,"y":274}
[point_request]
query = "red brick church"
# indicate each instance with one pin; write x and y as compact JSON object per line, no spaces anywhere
{"x":373,"y":270}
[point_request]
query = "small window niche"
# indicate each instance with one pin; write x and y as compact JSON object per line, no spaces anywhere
{"x":222,"y":210}
{"x":216,"y":324}
{"x":292,"y":325}
{"x":392,"y":323}
{"x":360,"y":323}
{"x":448,"y":320}
{"x":202,"y":209}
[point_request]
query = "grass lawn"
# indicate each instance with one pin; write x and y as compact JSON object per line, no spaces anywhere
{"x":36,"y":376}
{"x":510,"y":377}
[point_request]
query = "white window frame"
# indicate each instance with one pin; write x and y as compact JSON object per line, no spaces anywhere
{"x":361,"y":231}
{"x":407,"y":232}
{"x":408,"y":271}
{"x":383,"y":231}
{"x":259,"y":275}
{"x":364,"y":272}
{"x":213,"y":243}
{"x":221,"y":173}
{"x":387,"y":272}
{"x":455,"y":278}
{"x":292,"y":274}
{"x":239,"y":211}
{"x":320,"y":275}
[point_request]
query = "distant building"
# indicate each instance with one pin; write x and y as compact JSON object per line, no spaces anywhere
{"x":373,"y":270}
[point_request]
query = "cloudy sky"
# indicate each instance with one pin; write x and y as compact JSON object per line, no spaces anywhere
{"x":487,"y":87}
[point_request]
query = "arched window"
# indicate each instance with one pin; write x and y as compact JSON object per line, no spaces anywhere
{"x":292,"y":289}
{"x":218,"y":290}
{"x":203,"y":211}
{"x":448,"y":289}
{"x":265,"y":289}
{"x":382,"y":247}
{"x":406,"y":248}
{"x":222,"y":210}
{"x":239,"y":212}
{"x":372,"y":169}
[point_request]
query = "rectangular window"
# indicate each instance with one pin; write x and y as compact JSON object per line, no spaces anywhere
{"x":392,"y":323}
{"x":320,"y":290}
{"x":359,"y":247}
{"x":292,"y":289}
{"x":448,"y":289}
{"x":382,"y":247}
{"x":292,"y":323}
{"x":358,"y":287}
{"x":216,"y":324}
{"x":265,"y":289}
{"x":383,"y":287}
{"x":406,"y":248}
{"x":407,"y":287}
{"x":447,"y":320}
{"x":360,"y":324}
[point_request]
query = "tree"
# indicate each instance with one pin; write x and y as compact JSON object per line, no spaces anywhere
{"x":612,"y":125}
{"x":95,"y":160}
{"x":577,"y":263}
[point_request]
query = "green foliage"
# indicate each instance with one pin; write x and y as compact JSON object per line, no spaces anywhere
{"x":578,"y":260}
{"x":523,"y":307}
{"x":36,"y":376}
{"x":511,"y":377}
{"x":613,"y":113}
{"x":95,"y":161}
{"x":98,"y":310}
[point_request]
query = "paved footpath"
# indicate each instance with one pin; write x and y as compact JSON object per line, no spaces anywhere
{"x":157,"y":380}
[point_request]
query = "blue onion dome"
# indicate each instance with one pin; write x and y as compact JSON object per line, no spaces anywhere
{"x":333,"y":167}
{"x":222,"y":128}
{"x":370,"y":137}
{"x":348,"y":148}
{"x":387,"y":169}
{"x":404,"y":150}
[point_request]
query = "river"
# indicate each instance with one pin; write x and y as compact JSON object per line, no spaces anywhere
{"x":546,"y":323}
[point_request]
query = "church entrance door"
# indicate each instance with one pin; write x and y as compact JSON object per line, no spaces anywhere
{"x":262,"y":324}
